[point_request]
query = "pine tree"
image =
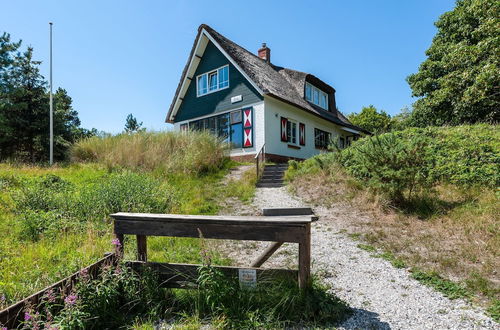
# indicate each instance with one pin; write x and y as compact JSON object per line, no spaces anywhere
{"x":132,"y":125}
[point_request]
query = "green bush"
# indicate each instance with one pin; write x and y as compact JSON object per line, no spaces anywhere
{"x":49,"y":204}
{"x":389,"y":164}
{"x":401,"y":163}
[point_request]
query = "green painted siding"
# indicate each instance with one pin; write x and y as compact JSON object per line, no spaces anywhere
{"x":220,"y":101}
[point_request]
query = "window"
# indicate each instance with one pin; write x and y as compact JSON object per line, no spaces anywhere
{"x":316,"y":96}
{"x":291,"y":132}
{"x":308,"y":92}
{"x":202,"y":85}
{"x":224,"y":77}
{"x":212,"y":81}
{"x":228,"y":127}
{"x":341,"y":143}
{"x":321,"y":139}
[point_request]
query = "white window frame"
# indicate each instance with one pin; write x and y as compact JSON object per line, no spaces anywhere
{"x":208,"y":74}
{"x":320,"y":93}
{"x":294,"y":122}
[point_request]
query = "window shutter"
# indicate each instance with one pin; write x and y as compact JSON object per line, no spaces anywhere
{"x":247,"y":128}
{"x":302,"y":134}
{"x":284,"y":137}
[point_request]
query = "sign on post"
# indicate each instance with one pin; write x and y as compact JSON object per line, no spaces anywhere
{"x":248,"y":278}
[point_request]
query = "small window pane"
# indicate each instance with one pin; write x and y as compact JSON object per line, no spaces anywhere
{"x":291,"y":132}
{"x":236,"y":117}
{"x":223,"y":77}
{"x":315,"y":96}
{"x":237,"y":135}
{"x":322,"y":100}
{"x":308,"y":92}
{"x":202,"y":84}
{"x":212,"y":81}
{"x":223,"y":127}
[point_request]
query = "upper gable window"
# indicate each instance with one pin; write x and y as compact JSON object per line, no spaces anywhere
{"x":212,"y":81}
{"x":316,"y":96}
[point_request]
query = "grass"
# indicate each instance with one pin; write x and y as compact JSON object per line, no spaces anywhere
{"x":120,"y":298}
{"x":448,"y":288}
{"x":164,"y":152}
{"x":76,"y":229}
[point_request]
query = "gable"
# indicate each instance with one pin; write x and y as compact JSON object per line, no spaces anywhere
{"x":193,"y":106}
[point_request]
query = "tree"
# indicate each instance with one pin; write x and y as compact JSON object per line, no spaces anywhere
{"x":24,"y":105}
{"x":131,"y":124}
{"x":24,"y":109}
{"x":459,"y":82}
{"x":370,"y":119}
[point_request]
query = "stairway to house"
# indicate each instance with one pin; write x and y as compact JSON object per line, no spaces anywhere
{"x":272,"y":176}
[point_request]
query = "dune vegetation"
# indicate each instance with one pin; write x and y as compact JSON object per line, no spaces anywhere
{"x":432,"y":197}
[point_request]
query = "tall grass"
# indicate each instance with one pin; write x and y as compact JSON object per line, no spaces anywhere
{"x":167,"y":152}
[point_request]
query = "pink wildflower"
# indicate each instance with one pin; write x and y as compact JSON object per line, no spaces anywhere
{"x":70,"y":300}
{"x":27,"y":316}
{"x":116,"y":242}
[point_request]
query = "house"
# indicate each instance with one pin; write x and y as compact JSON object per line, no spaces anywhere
{"x":250,"y":102}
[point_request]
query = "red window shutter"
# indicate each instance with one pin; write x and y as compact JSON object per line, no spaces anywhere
{"x":284,"y":137}
{"x":302,"y":134}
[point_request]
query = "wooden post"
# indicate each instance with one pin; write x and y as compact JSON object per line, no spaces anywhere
{"x":305,"y":258}
{"x":142,"y":248}
{"x":268,"y":252}
{"x":119,"y":245}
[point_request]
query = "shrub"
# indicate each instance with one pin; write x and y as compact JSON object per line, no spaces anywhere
{"x":399,"y":164}
{"x":193,"y":152}
{"x":48,"y":204}
{"x":389,"y":164}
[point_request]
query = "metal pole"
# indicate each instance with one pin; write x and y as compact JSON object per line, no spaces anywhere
{"x":51,"y":156}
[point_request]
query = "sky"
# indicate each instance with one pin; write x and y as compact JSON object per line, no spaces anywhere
{"x":116,"y":57}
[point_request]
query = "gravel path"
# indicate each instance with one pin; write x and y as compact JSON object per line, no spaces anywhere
{"x":383,"y":297}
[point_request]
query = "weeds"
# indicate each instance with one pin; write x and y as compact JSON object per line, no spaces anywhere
{"x":396,"y":262}
{"x":448,"y":288}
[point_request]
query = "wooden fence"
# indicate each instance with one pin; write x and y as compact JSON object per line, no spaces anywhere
{"x":277,"y":226}
{"x":12,"y":316}
{"x":277,"y":229}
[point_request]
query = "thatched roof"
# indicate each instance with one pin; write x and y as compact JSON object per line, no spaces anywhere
{"x":281,"y":83}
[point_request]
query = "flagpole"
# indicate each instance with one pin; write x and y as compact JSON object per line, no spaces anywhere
{"x":51,"y":156}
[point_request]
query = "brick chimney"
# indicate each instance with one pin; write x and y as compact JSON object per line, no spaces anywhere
{"x":264,"y":53}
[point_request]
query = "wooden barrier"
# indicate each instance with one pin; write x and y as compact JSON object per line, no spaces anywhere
{"x":293,"y":229}
{"x":12,"y":316}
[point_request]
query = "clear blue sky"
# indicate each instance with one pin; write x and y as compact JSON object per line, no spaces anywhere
{"x":119,"y":57}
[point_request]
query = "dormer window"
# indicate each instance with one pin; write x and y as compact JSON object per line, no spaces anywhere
{"x":212,"y":81}
{"x":316,"y":96}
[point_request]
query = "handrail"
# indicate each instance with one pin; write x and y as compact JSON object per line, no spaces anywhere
{"x":262,"y":154}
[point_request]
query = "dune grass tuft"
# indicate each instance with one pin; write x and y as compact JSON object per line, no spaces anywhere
{"x":165,"y":152}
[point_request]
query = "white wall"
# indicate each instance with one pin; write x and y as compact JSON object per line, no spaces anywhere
{"x":258,"y":128}
{"x":274,"y":110}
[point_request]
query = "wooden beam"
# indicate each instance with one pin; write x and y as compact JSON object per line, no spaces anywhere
{"x":275,"y":233}
{"x":142,"y":248}
{"x":279,"y":211}
{"x":305,"y":259}
{"x":268,"y":252}
{"x":184,"y":275}
{"x":212,"y":219}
